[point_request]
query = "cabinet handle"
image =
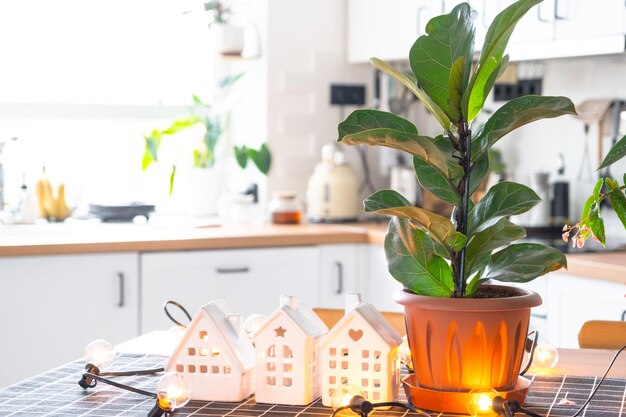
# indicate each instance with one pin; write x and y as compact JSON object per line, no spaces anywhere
{"x":120,"y":279}
{"x":541,"y":19}
{"x":556,"y":11}
{"x":624,"y":315}
{"x":339,"y":266}
{"x":240,"y":270}
{"x":539,"y":316}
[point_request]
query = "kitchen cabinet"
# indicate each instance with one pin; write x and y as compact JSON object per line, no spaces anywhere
{"x":381,"y":285}
{"x":573,"y":300}
{"x":53,"y":306}
{"x":249,"y":280}
{"x":341,"y":272}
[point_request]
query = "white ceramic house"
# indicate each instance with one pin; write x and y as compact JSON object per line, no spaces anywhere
{"x":361,"y":350}
{"x":287,"y":369}
{"x":215,"y":355}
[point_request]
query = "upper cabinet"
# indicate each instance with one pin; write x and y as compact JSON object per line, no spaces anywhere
{"x":386,"y":29}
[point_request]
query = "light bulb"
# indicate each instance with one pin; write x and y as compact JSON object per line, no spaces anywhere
{"x":347,"y":395}
{"x":99,"y":353}
{"x":480,"y":402}
{"x":546,"y":356}
{"x":404,"y":352}
{"x":173,"y":391}
{"x":253,"y":323}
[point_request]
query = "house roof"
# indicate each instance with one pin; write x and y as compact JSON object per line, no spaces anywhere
{"x":372,"y":316}
{"x":301,"y":315}
{"x":229,"y":327}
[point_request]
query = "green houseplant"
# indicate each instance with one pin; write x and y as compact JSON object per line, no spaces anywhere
{"x":444,"y":263}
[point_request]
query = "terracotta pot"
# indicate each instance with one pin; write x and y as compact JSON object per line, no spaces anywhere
{"x":460,"y":344}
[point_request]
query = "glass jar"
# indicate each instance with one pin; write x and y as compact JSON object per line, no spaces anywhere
{"x":284,"y":208}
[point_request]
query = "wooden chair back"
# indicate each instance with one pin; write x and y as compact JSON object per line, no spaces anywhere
{"x":330,"y":317}
{"x":600,"y":334}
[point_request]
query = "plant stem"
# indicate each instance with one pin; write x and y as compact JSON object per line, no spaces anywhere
{"x":458,"y":260}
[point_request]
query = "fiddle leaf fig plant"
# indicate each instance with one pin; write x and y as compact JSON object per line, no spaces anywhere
{"x":429,"y":253}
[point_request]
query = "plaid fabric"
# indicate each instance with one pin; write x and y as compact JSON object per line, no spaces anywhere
{"x":56,"y":393}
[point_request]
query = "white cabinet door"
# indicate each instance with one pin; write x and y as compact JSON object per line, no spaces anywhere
{"x":52,"y":306}
{"x":386,"y":29}
{"x":537,"y":25}
{"x":340,"y":273}
{"x":381,"y":285}
{"x":584,"y":19}
{"x":574,"y":300}
{"x":249,"y":280}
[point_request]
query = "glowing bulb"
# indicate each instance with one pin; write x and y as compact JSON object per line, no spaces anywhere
{"x":481,"y":402}
{"x":347,"y":395}
{"x":173,"y":391}
{"x":99,"y":353}
{"x":404,"y":353}
{"x":252,"y":324}
{"x":545,"y":356}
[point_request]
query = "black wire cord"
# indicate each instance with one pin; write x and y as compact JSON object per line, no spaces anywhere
{"x":176,"y":304}
{"x":366,"y":407}
{"x":131,"y":373}
{"x":118,"y":385}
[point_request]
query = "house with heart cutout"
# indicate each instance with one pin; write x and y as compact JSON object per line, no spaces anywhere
{"x":361,"y":350}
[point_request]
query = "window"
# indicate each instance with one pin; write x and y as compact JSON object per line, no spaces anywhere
{"x":377,"y":367}
{"x":271,"y":380}
{"x":365,"y":366}
{"x":344,"y":364}
{"x":332,"y":380}
{"x":287,"y":367}
{"x":215,"y":369}
{"x":377,"y":354}
{"x":365,"y":354}
{"x":332,"y":364}
{"x":203,"y":351}
{"x":204,"y":335}
{"x":332,"y":351}
{"x":227,"y":369}
{"x":287,"y":382}
{"x":287,"y":353}
{"x":180,"y":368}
{"x":271,"y":351}
{"x":364,"y":382}
{"x":215,"y":352}
{"x":203,"y":369}
{"x":191,"y":369}
{"x":191,"y":351}
{"x":271,"y":366}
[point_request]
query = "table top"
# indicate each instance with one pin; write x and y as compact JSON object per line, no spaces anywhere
{"x":56,"y":393}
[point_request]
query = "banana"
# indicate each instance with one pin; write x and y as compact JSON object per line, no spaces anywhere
{"x":62,"y":210}
{"x":51,"y":208}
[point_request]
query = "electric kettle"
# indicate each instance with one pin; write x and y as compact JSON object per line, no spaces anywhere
{"x":332,"y":192}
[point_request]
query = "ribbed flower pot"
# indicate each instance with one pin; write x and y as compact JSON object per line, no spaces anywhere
{"x":460,"y":344}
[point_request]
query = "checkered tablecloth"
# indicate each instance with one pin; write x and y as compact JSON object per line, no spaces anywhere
{"x":56,"y":393}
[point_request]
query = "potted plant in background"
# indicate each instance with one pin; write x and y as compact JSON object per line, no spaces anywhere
{"x":228,"y":38}
{"x":205,"y":181}
{"x":463,"y":334}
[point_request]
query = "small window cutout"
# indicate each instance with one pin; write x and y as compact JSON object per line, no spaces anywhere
{"x":203,"y":352}
{"x":376,"y":395}
{"x":287,"y":367}
{"x":365,"y":366}
{"x":333,"y":351}
{"x":287,"y":382}
{"x":271,"y":380}
{"x":332,"y":364}
{"x":365,"y":382}
{"x":271,"y":351}
{"x":376,"y":354}
{"x":227,"y":370}
{"x":191,"y":369}
{"x":344,"y":380}
{"x":215,"y":352}
{"x":332,"y":380}
{"x":204,"y":335}
{"x":215,"y":369}
{"x":271,"y":366}
{"x":376,"y":367}
{"x":180,"y":368}
{"x":344,"y":352}
{"x":365,"y":354}
{"x":331,"y":392}
{"x":344,"y":364}
{"x":287,"y":353}
{"x":191,"y":351}
{"x":377,"y":383}
{"x":203,"y":369}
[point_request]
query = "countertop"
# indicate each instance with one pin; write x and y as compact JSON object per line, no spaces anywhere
{"x":89,"y":237}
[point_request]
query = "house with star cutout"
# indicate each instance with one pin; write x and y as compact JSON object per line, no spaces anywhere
{"x":215,"y":355}
{"x":287,"y":370}
{"x":361,"y":350}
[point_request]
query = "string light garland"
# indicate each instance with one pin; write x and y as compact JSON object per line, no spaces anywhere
{"x":351,"y":397}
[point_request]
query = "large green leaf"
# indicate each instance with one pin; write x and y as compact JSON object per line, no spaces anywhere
{"x":181,"y":124}
{"x":391,"y":203}
{"x":434,"y":181}
{"x":596,"y":223}
{"x":439,"y":114}
{"x":481,"y":245}
{"x":523,"y":262}
{"x":418,"y":269}
{"x":503,"y":199}
{"x":481,"y":85}
{"x":262,"y":158}
{"x":517,"y":113}
{"x":361,"y":120}
{"x":478,"y":173}
{"x":241,"y":156}
{"x":442,"y":57}
{"x":420,"y":146}
{"x":618,"y":200}
{"x":617,"y":152}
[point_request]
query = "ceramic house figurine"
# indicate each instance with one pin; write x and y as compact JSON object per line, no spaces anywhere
{"x":215,"y":355}
{"x":361,"y":350}
{"x":287,"y":370}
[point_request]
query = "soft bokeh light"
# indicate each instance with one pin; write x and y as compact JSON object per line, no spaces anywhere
{"x":546,"y":356}
{"x":404,"y":353}
{"x":173,"y":391}
{"x":99,"y":353}
{"x":480,"y":402}
{"x":345,"y":394}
